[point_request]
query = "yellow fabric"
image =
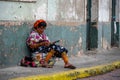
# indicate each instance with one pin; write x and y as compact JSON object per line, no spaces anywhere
{"x":65,"y":57}
{"x":38,"y":57}
{"x":49,"y":55}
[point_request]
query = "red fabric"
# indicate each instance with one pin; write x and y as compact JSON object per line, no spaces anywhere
{"x":37,"y":22}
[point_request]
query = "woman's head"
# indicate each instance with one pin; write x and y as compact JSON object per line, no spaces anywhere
{"x":40,"y":26}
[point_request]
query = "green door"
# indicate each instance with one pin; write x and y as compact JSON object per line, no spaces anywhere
{"x":114,"y":27}
{"x":92,"y":33}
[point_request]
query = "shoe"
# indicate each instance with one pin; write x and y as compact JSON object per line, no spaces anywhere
{"x":70,"y":66}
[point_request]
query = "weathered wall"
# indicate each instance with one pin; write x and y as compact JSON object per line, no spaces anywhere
{"x":66,"y":21}
{"x":94,"y":25}
{"x":118,"y":18}
{"x":94,"y":10}
{"x":104,"y":35}
{"x":108,"y":24}
{"x":16,"y":11}
{"x":104,"y":25}
{"x":52,"y":10}
{"x":117,"y":10}
{"x":13,"y":40}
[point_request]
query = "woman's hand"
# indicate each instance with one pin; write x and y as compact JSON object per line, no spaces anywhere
{"x":36,"y":45}
{"x":32,"y":46}
{"x":46,"y":43}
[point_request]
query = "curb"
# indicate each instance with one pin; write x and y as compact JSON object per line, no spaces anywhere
{"x":75,"y":74}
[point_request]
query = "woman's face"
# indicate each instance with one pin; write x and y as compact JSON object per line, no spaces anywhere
{"x":41,"y":29}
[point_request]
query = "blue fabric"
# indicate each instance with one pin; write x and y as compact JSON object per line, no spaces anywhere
{"x":59,"y":49}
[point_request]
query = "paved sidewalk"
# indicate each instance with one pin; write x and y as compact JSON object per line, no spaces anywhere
{"x":88,"y":64}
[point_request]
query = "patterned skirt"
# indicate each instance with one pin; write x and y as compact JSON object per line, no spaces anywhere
{"x":57,"y":48}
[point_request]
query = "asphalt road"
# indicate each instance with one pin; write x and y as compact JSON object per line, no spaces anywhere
{"x":113,"y":75}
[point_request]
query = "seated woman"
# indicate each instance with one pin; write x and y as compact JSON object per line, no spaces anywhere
{"x":42,"y":48}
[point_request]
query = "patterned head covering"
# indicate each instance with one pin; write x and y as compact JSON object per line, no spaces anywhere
{"x":38,"y":22}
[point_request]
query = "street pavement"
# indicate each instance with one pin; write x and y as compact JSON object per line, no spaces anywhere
{"x":113,"y":75}
{"x":89,"y":63}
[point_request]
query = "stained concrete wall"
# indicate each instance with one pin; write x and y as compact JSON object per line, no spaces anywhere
{"x":52,"y":10}
{"x":119,"y":20}
{"x":117,"y":10}
{"x":94,"y":11}
{"x":13,"y":40}
{"x":104,"y":24}
{"x":65,"y":18}
{"x":105,"y":27}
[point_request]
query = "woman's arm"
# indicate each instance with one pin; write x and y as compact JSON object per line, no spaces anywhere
{"x":36,"y":45}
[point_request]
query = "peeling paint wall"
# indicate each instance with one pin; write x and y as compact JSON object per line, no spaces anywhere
{"x":106,"y":39}
{"x":66,"y":18}
{"x":118,"y":16}
{"x":73,"y":10}
{"x":117,"y":10}
{"x":104,"y":9}
{"x":13,"y":40}
{"x":104,"y":35}
{"x":15,"y":11}
{"x":104,"y":24}
{"x":52,"y":10}
{"x":73,"y":38}
{"x":94,"y":10}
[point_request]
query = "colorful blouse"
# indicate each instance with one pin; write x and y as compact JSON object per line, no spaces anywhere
{"x":34,"y":37}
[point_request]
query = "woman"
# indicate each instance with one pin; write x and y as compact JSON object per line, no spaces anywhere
{"x":39,"y":44}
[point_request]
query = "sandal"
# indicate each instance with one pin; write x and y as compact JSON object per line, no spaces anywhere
{"x":70,"y":66}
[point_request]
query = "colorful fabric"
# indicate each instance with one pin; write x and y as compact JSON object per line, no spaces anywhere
{"x":37,"y":22}
{"x":34,"y":37}
{"x":27,"y":61}
{"x":30,"y":62}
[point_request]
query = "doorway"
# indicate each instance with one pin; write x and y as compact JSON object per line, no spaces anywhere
{"x":114,"y":26}
{"x":92,"y":20}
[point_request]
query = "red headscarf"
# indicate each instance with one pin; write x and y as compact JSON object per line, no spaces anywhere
{"x":37,"y":22}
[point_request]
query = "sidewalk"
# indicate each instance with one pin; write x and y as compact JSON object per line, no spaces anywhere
{"x":88,"y":64}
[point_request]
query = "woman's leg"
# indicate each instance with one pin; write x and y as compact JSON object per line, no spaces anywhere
{"x":49,"y":55}
{"x":65,"y":59}
{"x":62,"y":52}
